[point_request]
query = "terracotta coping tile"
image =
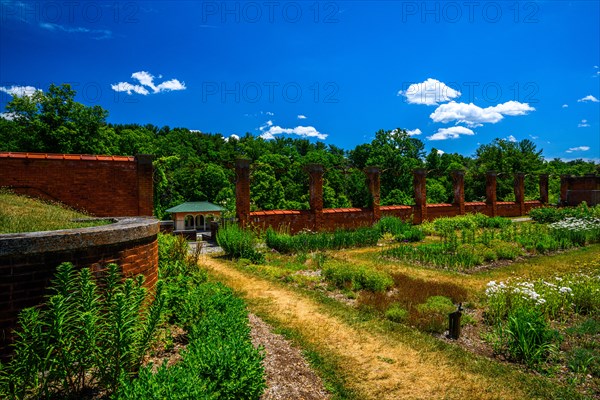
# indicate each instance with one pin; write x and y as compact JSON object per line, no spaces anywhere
{"x":475,"y":203}
{"x":58,"y":156}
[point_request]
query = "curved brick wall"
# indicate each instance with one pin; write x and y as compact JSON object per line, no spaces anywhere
{"x":28,"y":261}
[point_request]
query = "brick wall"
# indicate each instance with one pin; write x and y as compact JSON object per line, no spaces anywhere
{"x":319,"y":218}
{"x":576,"y":189}
{"x":28,"y":261}
{"x":100,"y":185}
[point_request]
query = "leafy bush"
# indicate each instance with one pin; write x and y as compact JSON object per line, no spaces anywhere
{"x":545,"y":215}
{"x":549,"y":215}
{"x":307,"y":242}
{"x":220,"y":361}
{"x":238,"y":243}
{"x":432,"y":316}
{"x":526,"y":336}
{"x":396,"y":313}
{"x":401,"y":230}
{"x":173,"y":257}
{"x":83,"y":336}
{"x":354,"y":277}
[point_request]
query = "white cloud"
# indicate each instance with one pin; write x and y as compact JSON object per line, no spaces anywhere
{"x":303,"y":131}
{"x":534,"y":137}
{"x":512,"y":139}
{"x":128,"y":87}
{"x":431,"y":92}
{"x":414,"y":132}
{"x":583,"y":124}
{"x":97,"y":34}
{"x":233,"y":136}
{"x":565,"y":106}
{"x":440,"y":152}
{"x":266,"y":125}
{"x":453,"y":132}
{"x":8,"y":116}
{"x":19,"y":91}
{"x":146,"y":79}
{"x":173,"y":84}
{"x":301,"y":116}
{"x":474,"y":116}
{"x":195,"y":130}
{"x":587,"y":98}
{"x":269,"y":113}
{"x":580,"y":148}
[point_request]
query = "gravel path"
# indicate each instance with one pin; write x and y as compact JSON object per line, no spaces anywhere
{"x":288,"y":374}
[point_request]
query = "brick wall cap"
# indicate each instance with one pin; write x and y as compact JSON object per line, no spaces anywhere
{"x":399,"y":207}
{"x":56,"y":156}
{"x":342,"y":210}
{"x":440,"y":205}
{"x":123,"y":230}
{"x":475,"y":203}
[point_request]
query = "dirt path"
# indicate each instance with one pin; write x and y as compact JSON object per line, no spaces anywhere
{"x":374,"y":366}
{"x":288,"y":374}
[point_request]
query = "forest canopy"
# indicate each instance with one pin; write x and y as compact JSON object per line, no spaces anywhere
{"x":195,"y":166}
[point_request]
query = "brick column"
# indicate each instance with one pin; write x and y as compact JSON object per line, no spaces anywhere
{"x":490,"y":192}
{"x":315,"y":172}
{"x":458,"y":183}
{"x":544,"y":188}
{"x":564,"y":188}
{"x":373,"y":181}
{"x":519,"y":188}
{"x":420,"y":188}
{"x":242,"y":191}
{"x":145,"y":184}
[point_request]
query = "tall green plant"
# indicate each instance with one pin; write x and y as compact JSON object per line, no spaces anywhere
{"x":82,"y":336}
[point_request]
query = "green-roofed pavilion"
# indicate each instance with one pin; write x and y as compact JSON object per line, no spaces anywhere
{"x":195,"y":215}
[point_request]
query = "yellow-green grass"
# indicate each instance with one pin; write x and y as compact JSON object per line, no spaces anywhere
{"x":364,"y":357}
{"x":23,"y":214}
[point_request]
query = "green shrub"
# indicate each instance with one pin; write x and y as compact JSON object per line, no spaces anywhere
{"x":432,"y":316}
{"x":219,"y":362}
{"x":173,"y":257}
{"x":446,"y":224}
{"x":84,"y":336}
{"x":396,"y":313}
{"x":526,"y":336}
{"x":354,"y":277}
{"x":238,"y":243}
{"x":306,"y":241}
{"x":545,"y":215}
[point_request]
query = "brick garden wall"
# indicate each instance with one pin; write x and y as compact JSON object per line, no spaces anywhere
{"x":100,"y":185}
{"x":319,"y":218}
{"x":28,"y":261}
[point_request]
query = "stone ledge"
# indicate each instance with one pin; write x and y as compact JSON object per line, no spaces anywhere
{"x":123,"y":230}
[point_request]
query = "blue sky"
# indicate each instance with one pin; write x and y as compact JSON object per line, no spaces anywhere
{"x":454,"y":74}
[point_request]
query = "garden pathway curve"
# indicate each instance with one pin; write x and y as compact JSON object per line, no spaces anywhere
{"x":374,"y":366}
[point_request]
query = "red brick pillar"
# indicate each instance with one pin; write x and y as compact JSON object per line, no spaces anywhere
{"x":564,"y":189}
{"x":490,"y":192}
{"x":315,"y":172}
{"x":458,"y":183}
{"x":242,"y":191}
{"x":145,"y":184}
{"x":373,"y":175}
{"x":519,"y":188}
{"x":544,"y":188}
{"x":420,"y":188}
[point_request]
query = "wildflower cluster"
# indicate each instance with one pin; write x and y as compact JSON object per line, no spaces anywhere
{"x":555,"y":298}
{"x":577,"y":224}
{"x":579,"y":231}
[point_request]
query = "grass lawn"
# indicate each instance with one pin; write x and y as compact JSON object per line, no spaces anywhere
{"x":23,"y":214}
{"x":373,"y":325}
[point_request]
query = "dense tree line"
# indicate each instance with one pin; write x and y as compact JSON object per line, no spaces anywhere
{"x":191,"y":165}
